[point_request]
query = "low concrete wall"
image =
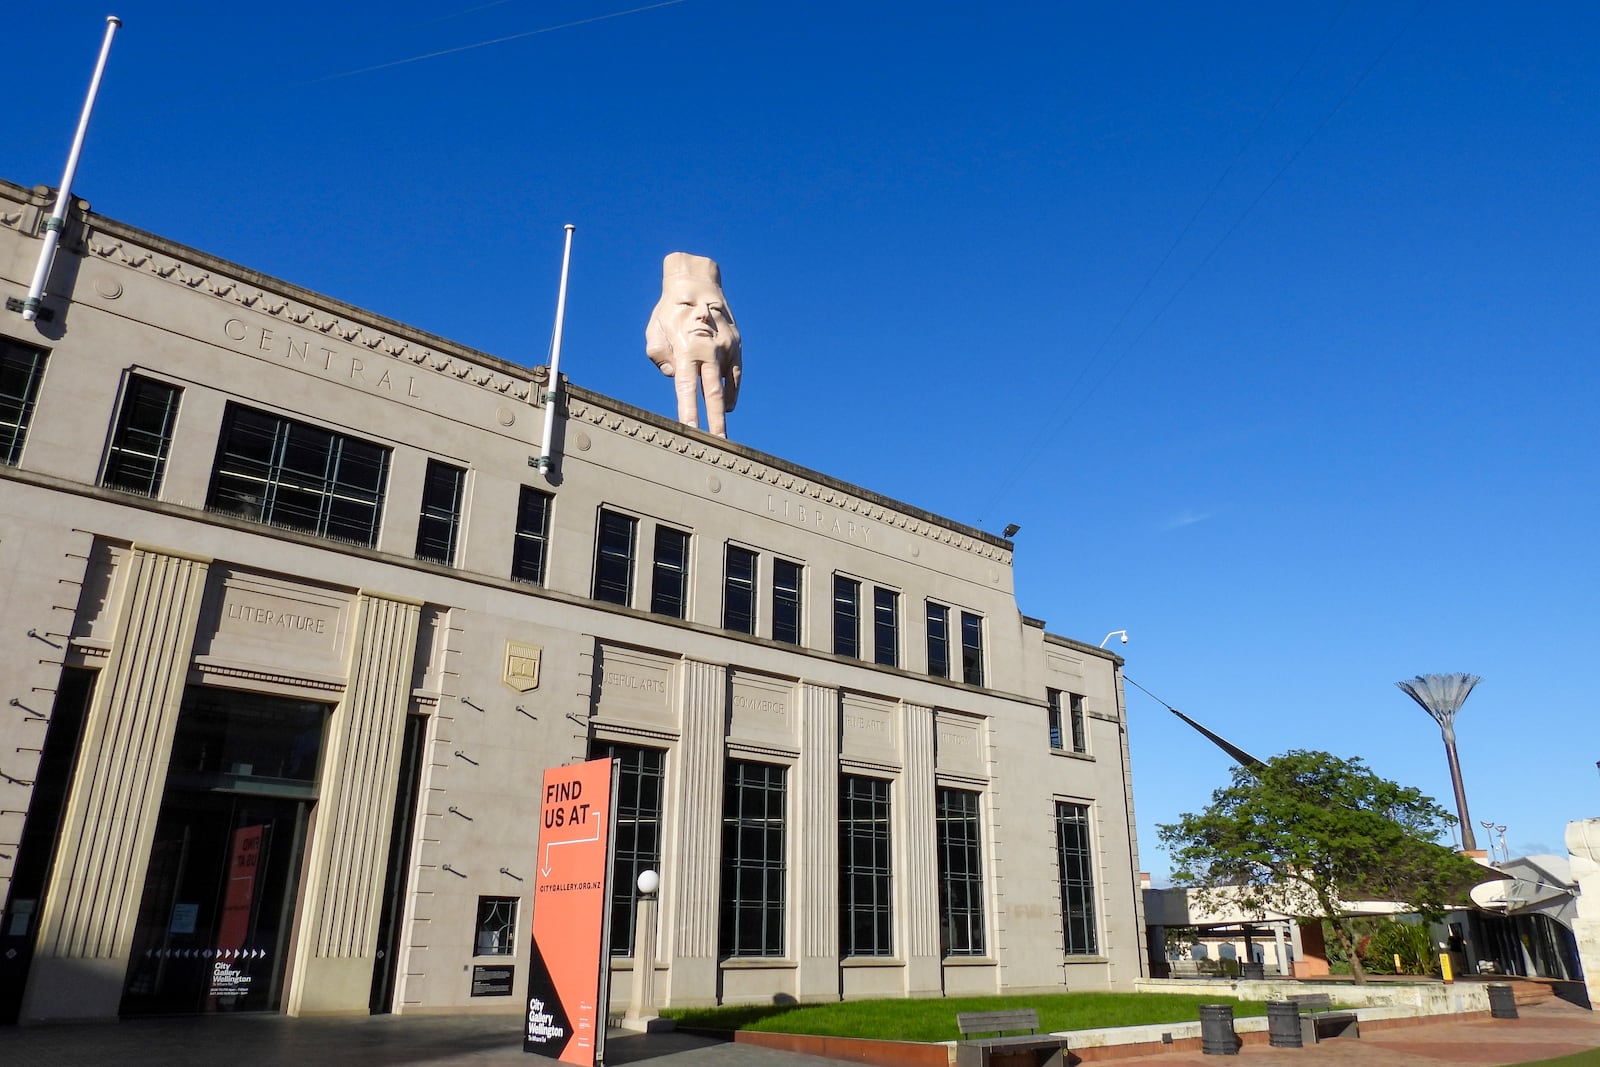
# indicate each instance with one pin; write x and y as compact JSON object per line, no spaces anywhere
{"x":1420,"y":998}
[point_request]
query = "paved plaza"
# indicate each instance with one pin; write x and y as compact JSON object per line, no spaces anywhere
{"x":1542,"y":1031}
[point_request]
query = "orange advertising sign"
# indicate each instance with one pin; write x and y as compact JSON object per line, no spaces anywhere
{"x":567,"y":979}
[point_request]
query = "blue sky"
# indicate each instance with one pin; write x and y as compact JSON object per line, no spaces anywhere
{"x":1274,"y":326}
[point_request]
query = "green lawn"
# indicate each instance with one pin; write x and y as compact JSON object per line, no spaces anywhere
{"x":935,"y":1020}
{"x":1591,"y":1058}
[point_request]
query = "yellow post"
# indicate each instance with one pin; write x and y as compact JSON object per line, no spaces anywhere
{"x":1444,"y":965}
{"x":1397,"y":968}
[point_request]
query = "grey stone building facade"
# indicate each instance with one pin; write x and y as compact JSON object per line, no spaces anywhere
{"x":295,"y":623}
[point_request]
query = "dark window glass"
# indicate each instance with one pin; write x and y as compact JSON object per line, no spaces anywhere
{"x":865,"y":892}
{"x":440,"y":523}
{"x":971,"y":648}
{"x":301,"y":477}
{"x":846,"y":616}
{"x":739,"y":591}
{"x":30,"y":876}
{"x":496,"y":928}
{"x":752,"y":860}
{"x":1077,"y":879}
{"x":137,"y":459}
{"x":532,"y":545}
{"x":786,"y":601}
{"x":613,"y":559}
{"x":21,"y":367}
{"x":246,"y":741}
{"x":1054,"y":697}
{"x":669,"y":576}
{"x":960,"y":872}
{"x":886,"y":627}
{"x":640,"y":773}
{"x":1080,"y":732}
{"x":938,"y":640}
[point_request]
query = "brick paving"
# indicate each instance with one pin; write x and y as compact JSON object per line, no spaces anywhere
{"x":1544,"y":1030}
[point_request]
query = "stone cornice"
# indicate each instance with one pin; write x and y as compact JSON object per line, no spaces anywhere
{"x":605,"y":414}
{"x":135,"y":249}
{"x":344,"y":324}
{"x":207,"y":667}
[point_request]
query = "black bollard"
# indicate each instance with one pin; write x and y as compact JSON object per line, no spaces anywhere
{"x":1283,"y":1024}
{"x":1216,"y":1030}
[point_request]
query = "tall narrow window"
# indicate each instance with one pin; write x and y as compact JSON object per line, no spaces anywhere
{"x":532,"y":545}
{"x":669,"y":575}
{"x":739,"y":591}
{"x":1077,"y":879}
{"x":613,"y":558}
{"x":440,"y":523}
{"x":1053,"y":697}
{"x":137,"y":459}
{"x":960,"y":872}
{"x":846,"y":616}
{"x":938,"y":640}
{"x":496,"y":927}
{"x":638,"y":832}
{"x":21,"y":367}
{"x":786,"y":577}
{"x":752,"y":860}
{"x":295,"y":475}
{"x":971,"y":648}
{"x":885,"y":627}
{"x":1080,"y":731}
{"x":865,"y":892}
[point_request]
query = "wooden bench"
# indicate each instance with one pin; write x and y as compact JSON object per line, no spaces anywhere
{"x":1319,"y":1020}
{"x":1031,"y":1049}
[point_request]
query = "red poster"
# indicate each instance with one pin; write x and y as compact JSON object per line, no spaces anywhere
{"x":571,"y":908}
{"x":230,"y":973}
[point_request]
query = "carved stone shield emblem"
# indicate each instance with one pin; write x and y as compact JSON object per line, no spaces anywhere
{"x":522,"y":666}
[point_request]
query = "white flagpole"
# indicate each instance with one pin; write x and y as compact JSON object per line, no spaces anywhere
{"x":545,"y":460}
{"x":57,"y":219}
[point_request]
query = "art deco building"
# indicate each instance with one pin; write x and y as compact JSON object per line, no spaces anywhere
{"x":295,"y":623}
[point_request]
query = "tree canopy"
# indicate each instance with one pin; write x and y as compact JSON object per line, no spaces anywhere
{"x":1306,"y":832}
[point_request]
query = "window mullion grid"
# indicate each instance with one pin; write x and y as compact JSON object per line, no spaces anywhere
{"x":330,"y":485}
{"x":1077,"y":879}
{"x":753,"y":815}
{"x":275,"y":468}
{"x":961,"y":871}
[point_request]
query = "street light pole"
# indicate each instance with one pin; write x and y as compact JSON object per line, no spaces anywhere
{"x":641,"y":1014}
{"x":1441,"y":696}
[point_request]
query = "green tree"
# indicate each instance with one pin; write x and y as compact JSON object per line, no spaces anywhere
{"x":1306,"y":832}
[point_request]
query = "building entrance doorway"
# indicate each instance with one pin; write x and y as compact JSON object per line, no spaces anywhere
{"x":216,"y":918}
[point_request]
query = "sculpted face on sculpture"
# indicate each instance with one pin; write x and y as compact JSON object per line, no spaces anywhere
{"x":693,"y":339}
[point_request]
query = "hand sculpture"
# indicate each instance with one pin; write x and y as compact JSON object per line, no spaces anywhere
{"x":693,"y":339}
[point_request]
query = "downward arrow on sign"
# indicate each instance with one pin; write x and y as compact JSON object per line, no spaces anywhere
{"x":594,"y":818}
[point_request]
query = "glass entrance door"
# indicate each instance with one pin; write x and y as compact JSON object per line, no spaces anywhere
{"x":216,"y":917}
{"x":217,"y":903}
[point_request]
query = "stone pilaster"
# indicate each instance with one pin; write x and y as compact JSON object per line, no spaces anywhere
{"x":691,"y":873}
{"x":916,"y":859}
{"x":814,"y":876}
{"x":1123,"y":972}
{"x":345,"y":872}
{"x":87,"y":919}
{"x":1583,"y":849}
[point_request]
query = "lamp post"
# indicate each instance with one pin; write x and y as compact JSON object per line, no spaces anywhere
{"x":1441,"y":696}
{"x":641,"y":1015}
